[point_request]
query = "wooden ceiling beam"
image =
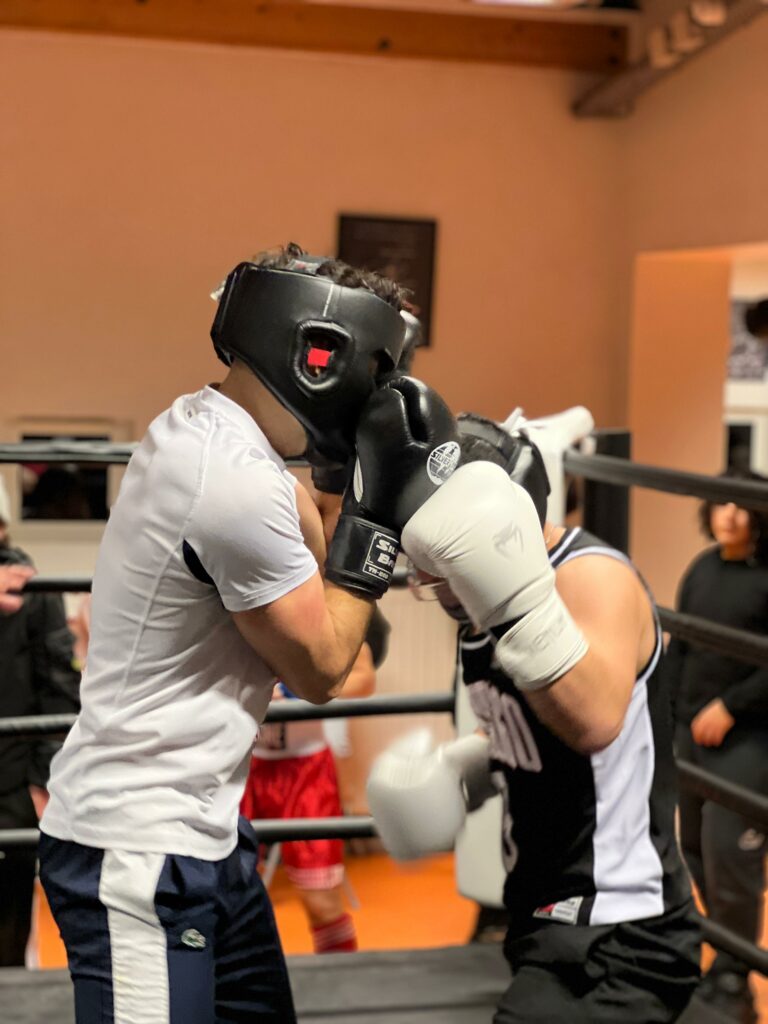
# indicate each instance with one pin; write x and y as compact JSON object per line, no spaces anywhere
{"x":617,"y":95}
{"x":364,"y":31}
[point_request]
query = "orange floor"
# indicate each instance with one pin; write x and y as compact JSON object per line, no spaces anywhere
{"x":400,"y":907}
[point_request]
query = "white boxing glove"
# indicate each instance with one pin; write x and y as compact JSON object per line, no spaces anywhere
{"x":419,"y":797}
{"x":481,"y":533}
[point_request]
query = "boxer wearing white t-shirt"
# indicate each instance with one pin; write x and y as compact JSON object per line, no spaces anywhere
{"x":206,"y":590}
{"x":150,"y":777}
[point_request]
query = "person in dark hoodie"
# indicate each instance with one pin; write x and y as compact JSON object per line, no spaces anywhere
{"x":721,"y":711}
{"x":36,"y":677}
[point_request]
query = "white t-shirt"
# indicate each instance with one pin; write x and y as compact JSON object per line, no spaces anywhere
{"x":172,"y":695}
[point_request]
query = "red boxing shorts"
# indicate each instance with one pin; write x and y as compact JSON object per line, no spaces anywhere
{"x":299,"y":787}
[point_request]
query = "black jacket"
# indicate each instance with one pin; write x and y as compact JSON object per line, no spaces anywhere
{"x":36,"y":677}
{"x":733,"y":593}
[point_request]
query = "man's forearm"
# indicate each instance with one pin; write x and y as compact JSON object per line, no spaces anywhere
{"x":350,"y":614}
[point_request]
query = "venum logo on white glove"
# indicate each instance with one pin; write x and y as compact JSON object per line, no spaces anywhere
{"x":509,"y":541}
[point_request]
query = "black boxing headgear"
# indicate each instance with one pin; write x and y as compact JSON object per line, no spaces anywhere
{"x":320,"y":347}
{"x":481,"y":438}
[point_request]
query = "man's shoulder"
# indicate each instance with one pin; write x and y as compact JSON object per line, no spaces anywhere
{"x":230,"y":457}
{"x":240,"y":484}
{"x":586,"y":549}
{"x":594,"y":573}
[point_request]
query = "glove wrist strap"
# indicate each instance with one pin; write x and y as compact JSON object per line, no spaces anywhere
{"x":542,"y":646}
{"x":362,"y":555}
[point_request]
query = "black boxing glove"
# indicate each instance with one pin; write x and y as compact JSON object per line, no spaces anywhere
{"x":407,"y":446}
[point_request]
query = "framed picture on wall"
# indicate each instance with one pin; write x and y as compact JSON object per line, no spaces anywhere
{"x":400,"y":248}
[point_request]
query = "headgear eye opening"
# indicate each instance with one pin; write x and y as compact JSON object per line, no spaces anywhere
{"x":319,"y":346}
{"x":322,"y":354}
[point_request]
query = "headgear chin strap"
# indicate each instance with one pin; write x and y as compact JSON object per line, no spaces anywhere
{"x":521,"y":458}
{"x":320,"y":347}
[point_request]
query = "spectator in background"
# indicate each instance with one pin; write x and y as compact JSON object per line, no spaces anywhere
{"x":13,"y":579}
{"x":721,"y":711}
{"x":36,"y":677}
{"x":59,"y":493}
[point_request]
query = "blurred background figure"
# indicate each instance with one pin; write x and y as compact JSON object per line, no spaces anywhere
{"x":57,"y":493}
{"x":37,"y":676}
{"x":721,"y":711}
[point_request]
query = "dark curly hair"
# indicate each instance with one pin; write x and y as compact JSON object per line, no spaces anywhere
{"x":281,"y":257}
{"x":758,"y":521}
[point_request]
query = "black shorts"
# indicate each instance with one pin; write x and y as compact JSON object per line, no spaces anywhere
{"x":642,"y":972}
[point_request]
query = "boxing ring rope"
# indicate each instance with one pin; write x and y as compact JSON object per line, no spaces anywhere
{"x":599,"y":468}
{"x":734,"y":797}
{"x":272,"y":830}
{"x":712,"y":787}
{"x":30,"y":726}
{"x":617,"y":472}
{"x":734,"y":643}
{"x":102,"y":453}
{"x":99,"y":453}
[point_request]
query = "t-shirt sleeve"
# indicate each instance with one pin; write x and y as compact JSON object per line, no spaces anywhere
{"x":246,"y":535}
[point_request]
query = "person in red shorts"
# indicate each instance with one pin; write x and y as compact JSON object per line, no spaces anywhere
{"x":293,"y":775}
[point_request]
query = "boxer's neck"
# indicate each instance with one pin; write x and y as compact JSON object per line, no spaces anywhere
{"x":281,"y":428}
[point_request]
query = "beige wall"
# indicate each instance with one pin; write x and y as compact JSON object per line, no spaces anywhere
{"x":679,"y":347}
{"x":135,"y":174}
{"x":695,"y":153}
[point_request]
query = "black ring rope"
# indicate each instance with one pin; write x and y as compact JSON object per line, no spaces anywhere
{"x":272,"y":830}
{"x":742,"y":801}
{"x":730,"y":942}
{"x":31,"y":726}
{"x":100,"y":453}
{"x":747,"y":802}
{"x":58,"y":585}
{"x":600,"y":468}
{"x":733,"y":643}
{"x":608,"y":469}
